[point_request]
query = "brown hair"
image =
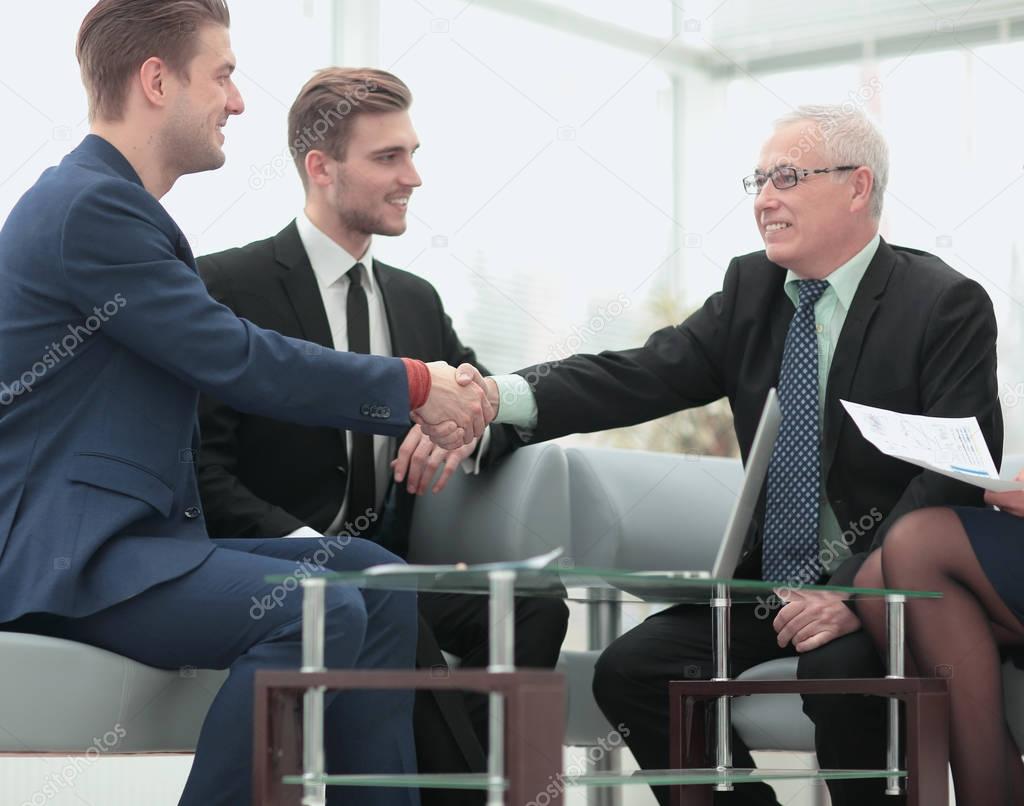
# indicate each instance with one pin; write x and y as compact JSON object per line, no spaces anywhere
{"x":118,"y":36}
{"x":321,"y":116}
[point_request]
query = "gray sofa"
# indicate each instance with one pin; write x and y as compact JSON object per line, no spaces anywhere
{"x":610,"y":508}
{"x":632,"y":510}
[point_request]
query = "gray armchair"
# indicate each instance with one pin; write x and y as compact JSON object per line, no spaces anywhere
{"x":605,"y":507}
{"x":635,"y":510}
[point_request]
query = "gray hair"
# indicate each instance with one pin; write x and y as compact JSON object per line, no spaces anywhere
{"x":850,"y":138}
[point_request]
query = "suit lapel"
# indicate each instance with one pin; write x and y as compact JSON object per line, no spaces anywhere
{"x":782,"y":316}
{"x":303,"y":294}
{"x":300,"y":287}
{"x":851,"y":343}
{"x":382,"y":273}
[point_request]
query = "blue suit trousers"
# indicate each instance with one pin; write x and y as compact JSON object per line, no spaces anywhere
{"x":222,"y":615}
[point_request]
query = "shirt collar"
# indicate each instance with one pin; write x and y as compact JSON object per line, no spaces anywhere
{"x":844,"y":280}
{"x":330,"y":261}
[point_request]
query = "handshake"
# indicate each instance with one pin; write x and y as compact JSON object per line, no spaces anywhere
{"x":461,"y":405}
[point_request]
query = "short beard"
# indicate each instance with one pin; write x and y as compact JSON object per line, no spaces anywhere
{"x":357,"y":219}
{"x":185,"y":148}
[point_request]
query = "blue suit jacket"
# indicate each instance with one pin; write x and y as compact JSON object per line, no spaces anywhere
{"x":108,"y":335}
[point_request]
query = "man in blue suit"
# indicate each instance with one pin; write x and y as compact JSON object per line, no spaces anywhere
{"x":109,"y":336}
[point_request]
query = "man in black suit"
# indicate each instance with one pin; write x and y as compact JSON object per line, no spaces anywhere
{"x":354,"y":142}
{"x":828,"y":312}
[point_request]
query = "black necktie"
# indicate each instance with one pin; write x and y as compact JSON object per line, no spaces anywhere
{"x":362,"y":473}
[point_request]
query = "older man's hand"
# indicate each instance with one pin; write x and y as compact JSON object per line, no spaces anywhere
{"x":467,"y":374}
{"x":457,"y":411}
{"x":811,"y":619}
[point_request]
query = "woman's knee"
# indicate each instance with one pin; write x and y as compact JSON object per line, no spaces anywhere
{"x":869,"y":575}
{"x":913,"y":543}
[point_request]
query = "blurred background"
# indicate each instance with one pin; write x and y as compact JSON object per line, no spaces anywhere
{"x":582,"y":158}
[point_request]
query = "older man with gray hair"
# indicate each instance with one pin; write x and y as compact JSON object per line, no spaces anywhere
{"x":828,"y":311}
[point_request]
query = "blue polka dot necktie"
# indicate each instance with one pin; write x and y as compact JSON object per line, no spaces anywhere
{"x":790,"y":552}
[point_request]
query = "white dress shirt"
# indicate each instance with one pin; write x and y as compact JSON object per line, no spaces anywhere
{"x":331,"y":264}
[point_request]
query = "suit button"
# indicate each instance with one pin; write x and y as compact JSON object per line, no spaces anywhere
{"x":365,"y":410}
{"x":192,"y":513}
{"x":385,"y":412}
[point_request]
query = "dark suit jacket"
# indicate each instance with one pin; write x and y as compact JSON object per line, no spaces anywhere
{"x":919,"y":338}
{"x":103,"y":315}
{"x":263,"y":477}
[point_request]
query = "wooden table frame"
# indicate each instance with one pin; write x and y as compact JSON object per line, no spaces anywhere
{"x":927,"y":727}
{"x":534,"y":724}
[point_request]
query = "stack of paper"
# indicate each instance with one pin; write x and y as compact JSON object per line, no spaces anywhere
{"x":952,"y":446}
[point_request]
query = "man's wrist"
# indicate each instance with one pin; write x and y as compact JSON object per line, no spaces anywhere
{"x":518,"y":404}
{"x":419,"y":382}
{"x":493,"y":394}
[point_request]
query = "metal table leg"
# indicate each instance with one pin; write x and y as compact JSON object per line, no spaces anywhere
{"x":314,"y":793}
{"x":721,"y":608}
{"x":896,"y":638}
{"x":502,"y":659}
{"x":604,"y":623}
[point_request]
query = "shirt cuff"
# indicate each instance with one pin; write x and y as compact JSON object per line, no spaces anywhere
{"x":471,"y":464}
{"x":518,"y":405}
{"x":419,"y":382}
{"x":304,"y":531}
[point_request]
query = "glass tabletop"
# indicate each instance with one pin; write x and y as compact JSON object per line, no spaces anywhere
{"x":482,"y":781}
{"x":585,"y":584}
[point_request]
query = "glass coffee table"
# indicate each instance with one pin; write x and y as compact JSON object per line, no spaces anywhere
{"x":527,"y":707}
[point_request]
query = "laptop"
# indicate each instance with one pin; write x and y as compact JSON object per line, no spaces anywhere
{"x":754,"y":473}
{"x":753,"y":479}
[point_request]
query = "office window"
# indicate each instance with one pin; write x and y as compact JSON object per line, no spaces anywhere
{"x":547,"y":189}
{"x":278,"y":46}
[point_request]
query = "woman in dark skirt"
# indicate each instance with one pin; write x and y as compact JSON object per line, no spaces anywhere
{"x":975,"y":558}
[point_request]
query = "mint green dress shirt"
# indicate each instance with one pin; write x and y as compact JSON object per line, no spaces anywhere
{"x":519,"y":406}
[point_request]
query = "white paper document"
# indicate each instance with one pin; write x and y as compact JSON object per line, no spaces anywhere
{"x":530,"y":564}
{"x":952,"y":446}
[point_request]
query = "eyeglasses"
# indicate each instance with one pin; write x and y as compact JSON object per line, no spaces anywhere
{"x":785,"y":177}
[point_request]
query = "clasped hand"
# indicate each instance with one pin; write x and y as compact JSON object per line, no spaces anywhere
{"x":811,"y":619}
{"x":459,"y":407}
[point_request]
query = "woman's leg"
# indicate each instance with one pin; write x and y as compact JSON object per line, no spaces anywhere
{"x":957,"y":637}
{"x":871,"y":611}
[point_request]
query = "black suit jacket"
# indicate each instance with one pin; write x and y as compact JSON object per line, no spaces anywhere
{"x":264,"y":478}
{"x":919,"y":338}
